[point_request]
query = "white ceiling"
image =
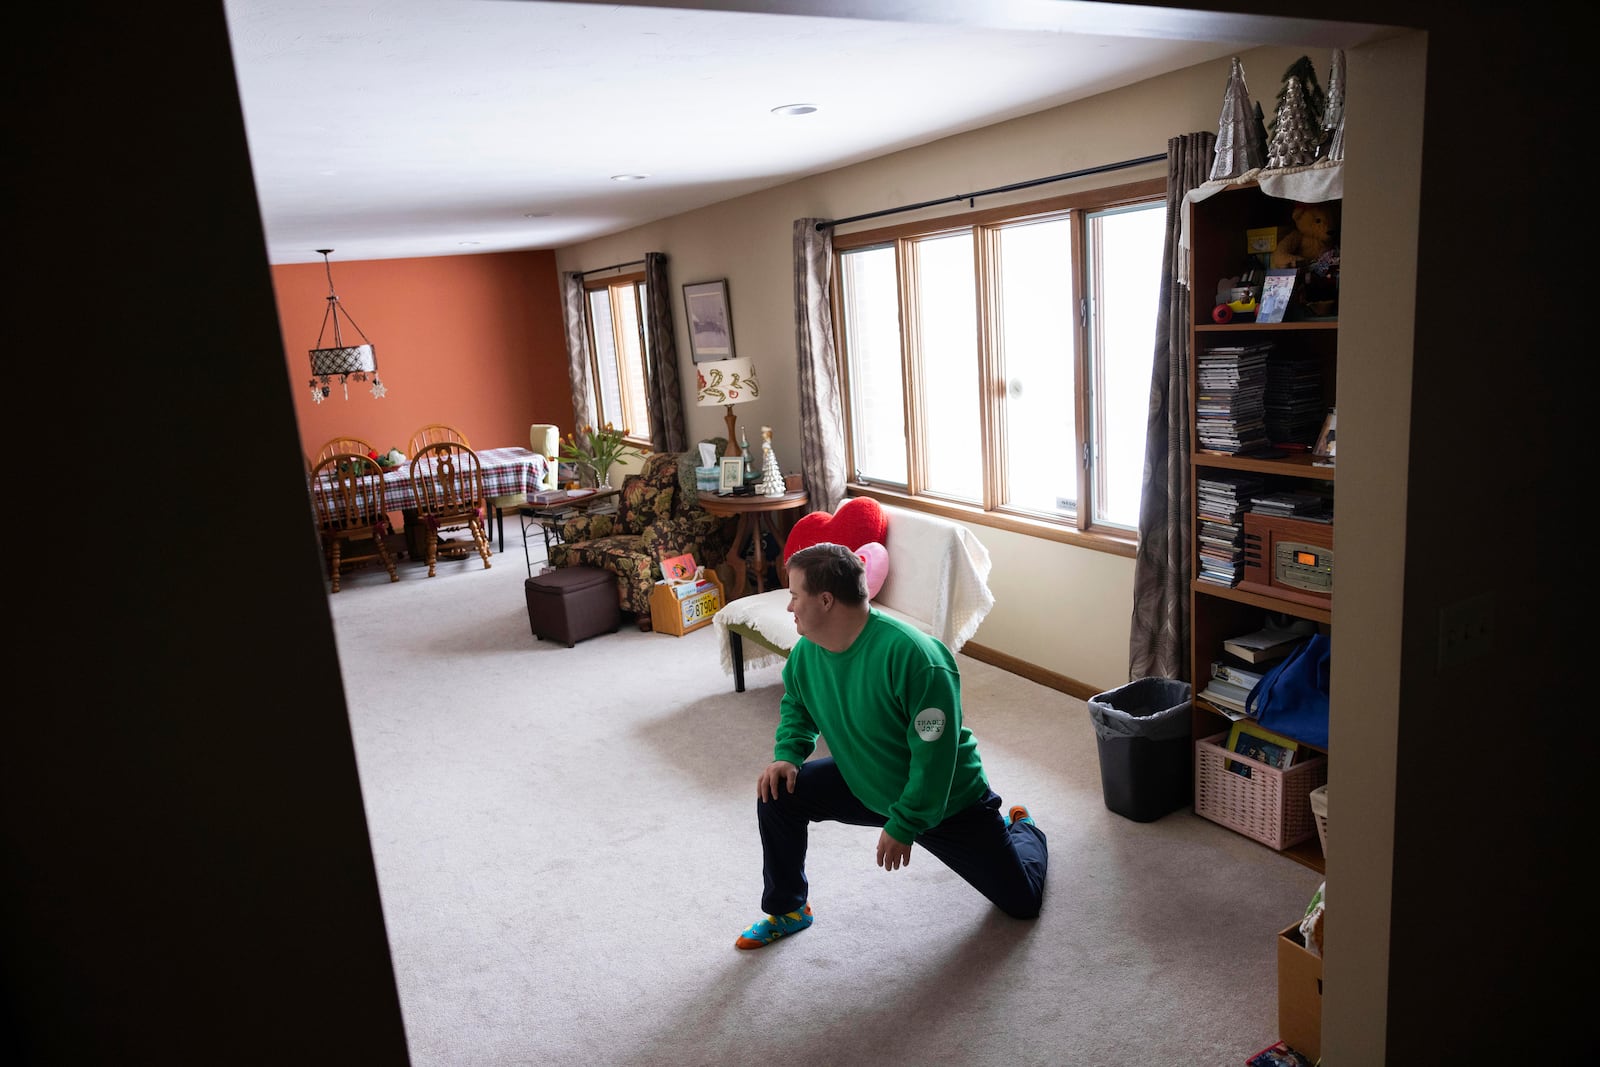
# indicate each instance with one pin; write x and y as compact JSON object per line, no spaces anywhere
{"x":393,"y":128}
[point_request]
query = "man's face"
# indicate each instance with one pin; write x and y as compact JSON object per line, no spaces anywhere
{"x":807,"y":608}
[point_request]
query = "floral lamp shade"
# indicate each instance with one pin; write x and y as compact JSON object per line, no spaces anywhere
{"x":727,"y":382}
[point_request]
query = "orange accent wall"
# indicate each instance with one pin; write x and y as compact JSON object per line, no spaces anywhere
{"x":473,"y":341}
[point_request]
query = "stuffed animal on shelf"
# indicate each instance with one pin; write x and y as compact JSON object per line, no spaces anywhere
{"x":1314,"y":226}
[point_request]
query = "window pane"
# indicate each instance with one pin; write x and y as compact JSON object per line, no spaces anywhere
{"x":1125,"y":253}
{"x":635,"y":415}
{"x":608,"y":398}
{"x":947,"y":333}
{"x":871,"y":315}
{"x":1036,"y":342}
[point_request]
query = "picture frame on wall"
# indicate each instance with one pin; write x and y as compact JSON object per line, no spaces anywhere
{"x":732,"y":475}
{"x":705,"y":305}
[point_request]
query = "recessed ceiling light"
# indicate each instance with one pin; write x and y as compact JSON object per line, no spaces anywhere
{"x":538,"y":214}
{"x":794,"y":109}
{"x":466,"y":244}
{"x":629,"y":177}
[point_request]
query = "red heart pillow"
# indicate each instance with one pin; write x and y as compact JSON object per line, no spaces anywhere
{"x":858,"y":521}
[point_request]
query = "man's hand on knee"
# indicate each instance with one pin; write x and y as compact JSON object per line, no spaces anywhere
{"x":892,"y":854}
{"x":777,"y":771}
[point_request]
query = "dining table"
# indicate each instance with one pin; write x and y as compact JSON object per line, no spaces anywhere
{"x":506,"y":472}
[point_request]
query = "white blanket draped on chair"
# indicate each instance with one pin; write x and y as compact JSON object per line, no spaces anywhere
{"x":938,"y":581}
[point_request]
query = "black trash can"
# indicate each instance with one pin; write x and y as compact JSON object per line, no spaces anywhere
{"x":1143,"y":732}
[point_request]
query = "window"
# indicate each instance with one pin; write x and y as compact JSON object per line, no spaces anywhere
{"x":619,"y":352}
{"x":1002,"y":363}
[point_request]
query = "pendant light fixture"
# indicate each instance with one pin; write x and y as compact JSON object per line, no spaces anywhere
{"x":341,"y":361}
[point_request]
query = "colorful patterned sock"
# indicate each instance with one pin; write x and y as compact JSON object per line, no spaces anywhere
{"x":768,"y":930}
{"x":1019,"y":814}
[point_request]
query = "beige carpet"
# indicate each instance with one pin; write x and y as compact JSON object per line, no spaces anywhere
{"x":566,"y":847}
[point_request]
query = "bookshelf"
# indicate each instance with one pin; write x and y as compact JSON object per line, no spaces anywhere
{"x":1217,"y":249}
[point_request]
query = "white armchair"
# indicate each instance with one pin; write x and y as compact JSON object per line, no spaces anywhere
{"x":938,"y":581}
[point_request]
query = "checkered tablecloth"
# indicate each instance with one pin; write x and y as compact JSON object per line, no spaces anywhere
{"x":505,"y":471}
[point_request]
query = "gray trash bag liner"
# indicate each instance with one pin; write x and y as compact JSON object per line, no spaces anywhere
{"x":1153,"y":708}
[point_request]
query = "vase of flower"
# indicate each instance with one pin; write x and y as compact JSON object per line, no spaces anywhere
{"x":599,"y":450}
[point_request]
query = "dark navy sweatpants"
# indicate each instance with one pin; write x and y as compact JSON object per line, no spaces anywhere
{"x":1005,"y":864}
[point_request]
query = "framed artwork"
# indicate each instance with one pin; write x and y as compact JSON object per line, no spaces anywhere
{"x":710,"y":323}
{"x":732,"y":474}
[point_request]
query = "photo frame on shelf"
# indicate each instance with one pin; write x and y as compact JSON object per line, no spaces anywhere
{"x":1324,"y":447}
{"x":705,"y":305}
{"x":1275,"y":293}
{"x":732,"y":476}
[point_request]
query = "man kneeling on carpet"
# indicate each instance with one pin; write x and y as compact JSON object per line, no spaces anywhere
{"x":887,"y":697}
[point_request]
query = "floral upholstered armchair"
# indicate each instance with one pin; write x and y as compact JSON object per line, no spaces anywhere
{"x":659,"y":516}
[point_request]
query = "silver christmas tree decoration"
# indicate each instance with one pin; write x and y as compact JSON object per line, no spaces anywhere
{"x":771,"y":476}
{"x":1333,"y":119}
{"x":1297,"y":127}
{"x":1240,"y":148}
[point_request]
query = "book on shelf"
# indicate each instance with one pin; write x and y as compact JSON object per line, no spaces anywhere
{"x":1228,"y":699}
{"x":1263,"y":645}
{"x":1253,"y":741}
{"x":1232,"y":673}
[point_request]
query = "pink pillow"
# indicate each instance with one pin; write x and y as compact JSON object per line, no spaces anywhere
{"x":875,"y":558}
{"x":858,"y":521}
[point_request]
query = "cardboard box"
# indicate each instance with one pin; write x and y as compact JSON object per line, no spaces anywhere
{"x":1264,"y":239}
{"x":1299,"y":994}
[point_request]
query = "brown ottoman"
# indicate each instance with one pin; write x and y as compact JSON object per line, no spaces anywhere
{"x":572,"y":604}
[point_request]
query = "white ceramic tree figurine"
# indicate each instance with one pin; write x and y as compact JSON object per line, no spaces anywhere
{"x":771,"y":476}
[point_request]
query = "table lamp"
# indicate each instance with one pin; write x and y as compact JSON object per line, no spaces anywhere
{"x":727,"y":382}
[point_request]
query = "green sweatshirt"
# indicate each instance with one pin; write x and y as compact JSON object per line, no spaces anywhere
{"x":890,"y":708}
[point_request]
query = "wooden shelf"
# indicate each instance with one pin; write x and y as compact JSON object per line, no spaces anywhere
{"x":1265,"y":327}
{"x":1217,"y":225}
{"x":1276,"y":605}
{"x":1290,"y":466}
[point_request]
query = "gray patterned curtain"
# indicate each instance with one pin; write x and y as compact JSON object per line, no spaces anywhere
{"x":572,"y":307}
{"x":1164,"y":566}
{"x":822,"y":451}
{"x":663,"y":393}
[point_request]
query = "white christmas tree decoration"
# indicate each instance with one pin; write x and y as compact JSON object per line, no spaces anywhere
{"x":771,"y":476}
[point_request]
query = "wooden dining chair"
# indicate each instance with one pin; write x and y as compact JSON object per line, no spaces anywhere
{"x":447,"y":482}
{"x":352,"y":515}
{"x":432,"y":434}
{"x":348,"y":445}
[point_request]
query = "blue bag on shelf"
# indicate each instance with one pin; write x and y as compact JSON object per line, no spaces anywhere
{"x":1292,"y":698}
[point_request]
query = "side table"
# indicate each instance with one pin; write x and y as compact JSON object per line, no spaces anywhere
{"x":756,"y":513}
{"x":548,"y":517}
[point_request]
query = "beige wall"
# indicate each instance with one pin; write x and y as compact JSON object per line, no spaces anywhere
{"x":1079,"y":628}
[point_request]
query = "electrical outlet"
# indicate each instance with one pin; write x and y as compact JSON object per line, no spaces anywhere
{"x":1466,"y":630}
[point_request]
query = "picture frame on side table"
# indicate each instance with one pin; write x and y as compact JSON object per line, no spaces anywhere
{"x":732,"y":476}
{"x":710,"y":321}
{"x":1275,"y":293}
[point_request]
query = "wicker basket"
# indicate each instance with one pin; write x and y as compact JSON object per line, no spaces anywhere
{"x":1271,"y":806}
{"x":1319,"y":809}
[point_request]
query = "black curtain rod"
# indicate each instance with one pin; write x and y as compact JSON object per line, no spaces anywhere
{"x":997,"y":189}
{"x":614,"y":266}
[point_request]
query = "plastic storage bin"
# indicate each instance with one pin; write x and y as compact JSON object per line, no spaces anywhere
{"x":1142,"y":730}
